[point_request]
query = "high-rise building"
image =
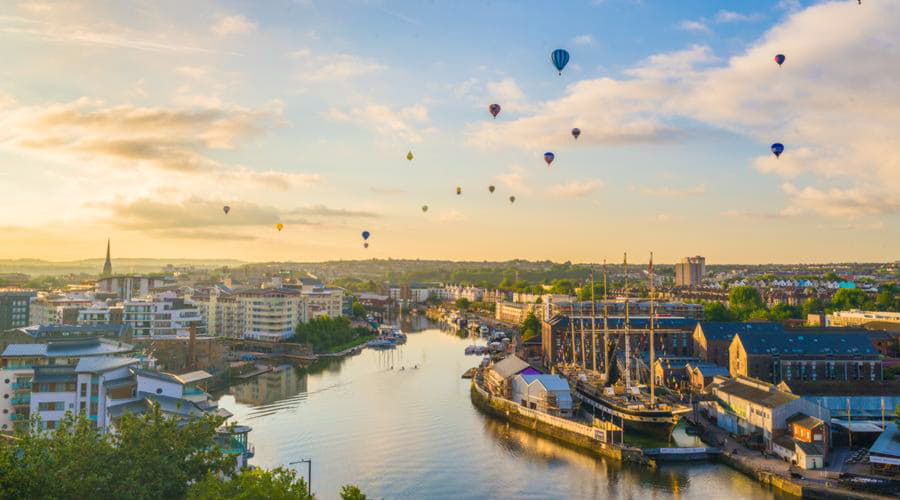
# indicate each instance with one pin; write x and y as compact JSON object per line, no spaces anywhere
{"x":689,"y":272}
{"x":107,"y":266}
{"x":14,"y":308}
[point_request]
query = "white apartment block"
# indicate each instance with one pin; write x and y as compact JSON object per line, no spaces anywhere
{"x":162,"y":315}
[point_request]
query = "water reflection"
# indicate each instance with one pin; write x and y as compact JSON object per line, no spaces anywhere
{"x":281,"y":382}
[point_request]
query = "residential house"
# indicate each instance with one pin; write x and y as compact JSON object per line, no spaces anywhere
{"x":499,"y":374}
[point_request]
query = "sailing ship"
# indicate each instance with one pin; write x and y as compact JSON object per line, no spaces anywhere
{"x":633,"y":405}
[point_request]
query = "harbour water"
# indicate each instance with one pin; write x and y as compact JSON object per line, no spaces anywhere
{"x":397,"y":431}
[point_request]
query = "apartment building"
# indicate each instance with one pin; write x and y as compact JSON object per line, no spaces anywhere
{"x":14,"y":306}
{"x":162,"y":315}
{"x":128,"y":287}
{"x":57,"y":309}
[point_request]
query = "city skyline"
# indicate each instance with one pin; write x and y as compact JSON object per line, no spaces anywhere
{"x":140,"y":121}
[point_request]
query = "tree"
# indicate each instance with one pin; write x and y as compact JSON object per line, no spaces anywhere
{"x":350,"y":492}
{"x":563,"y":287}
{"x":149,"y":456}
{"x":358,"y":310}
{"x":849,"y":298}
{"x":251,"y":484}
{"x":531,"y":326}
{"x":813,"y":305}
{"x":462,"y":303}
{"x":716,"y":311}
{"x":831,"y":276}
{"x":745,"y":297}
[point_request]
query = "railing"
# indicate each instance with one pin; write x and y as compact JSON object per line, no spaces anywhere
{"x":21,"y":385}
{"x":21,"y":399}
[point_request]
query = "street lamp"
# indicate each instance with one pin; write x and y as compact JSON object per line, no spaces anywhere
{"x":308,"y":463}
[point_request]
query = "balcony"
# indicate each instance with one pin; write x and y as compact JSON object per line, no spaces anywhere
{"x":21,"y":400}
{"x":22,"y":386}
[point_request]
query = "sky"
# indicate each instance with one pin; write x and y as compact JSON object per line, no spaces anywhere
{"x":139,"y":120}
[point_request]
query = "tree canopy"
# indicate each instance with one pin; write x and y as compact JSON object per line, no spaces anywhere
{"x":325,"y":333}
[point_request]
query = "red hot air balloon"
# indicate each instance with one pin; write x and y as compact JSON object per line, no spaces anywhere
{"x":780,"y":59}
{"x":494,"y":109}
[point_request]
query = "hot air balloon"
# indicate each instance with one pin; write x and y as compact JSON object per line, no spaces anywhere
{"x":576,"y":132}
{"x":559,"y":58}
{"x":777,"y":148}
{"x":409,"y":156}
{"x":226,"y":209}
{"x":365,"y":235}
{"x":512,"y":199}
{"x":491,"y":188}
{"x":366,"y":245}
{"x":424,"y":208}
{"x":458,"y":190}
{"x":548,"y":157}
{"x":279,"y":226}
{"x":780,"y":59}
{"x":494,"y":109}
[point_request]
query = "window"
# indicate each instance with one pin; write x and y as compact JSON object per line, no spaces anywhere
{"x":95,"y":389}
{"x":82,"y":406}
{"x":51,"y":424}
{"x":93,"y":407}
{"x":83,"y":390}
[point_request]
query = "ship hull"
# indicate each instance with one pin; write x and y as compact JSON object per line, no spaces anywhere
{"x":656,"y":423}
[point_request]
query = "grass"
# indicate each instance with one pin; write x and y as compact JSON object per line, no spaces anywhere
{"x":347,"y":345}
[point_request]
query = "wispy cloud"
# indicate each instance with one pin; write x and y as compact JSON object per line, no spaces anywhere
{"x":698,"y":26}
{"x":172,"y":140}
{"x":407,"y":124}
{"x":672,"y":192}
{"x":574,"y":189}
{"x":515,"y":179}
{"x":235,"y":24}
{"x":114,"y":37}
{"x":324,"y":211}
{"x":727,"y":16}
{"x":583,"y":40}
{"x":316,"y":67}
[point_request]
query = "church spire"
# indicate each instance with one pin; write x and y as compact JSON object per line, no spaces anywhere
{"x":107,"y":266}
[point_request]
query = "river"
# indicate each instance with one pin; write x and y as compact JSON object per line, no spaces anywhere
{"x":397,"y":431}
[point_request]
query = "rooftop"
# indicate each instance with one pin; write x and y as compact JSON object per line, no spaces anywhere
{"x":805,"y":421}
{"x":68,"y":348}
{"x":510,"y":366}
{"x":183,"y":379}
{"x":97,"y":364}
{"x":888,"y":443}
{"x":38,"y":331}
{"x":789,"y":342}
{"x":550,"y":382}
{"x":726,"y":330}
{"x":742,"y":389}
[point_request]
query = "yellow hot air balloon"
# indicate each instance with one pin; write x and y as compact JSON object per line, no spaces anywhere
{"x":279,"y":226}
{"x":458,"y":190}
{"x":409,"y":156}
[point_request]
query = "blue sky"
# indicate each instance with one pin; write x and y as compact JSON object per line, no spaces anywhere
{"x":138,"y":120}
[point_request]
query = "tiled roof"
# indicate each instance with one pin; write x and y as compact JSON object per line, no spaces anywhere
{"x":726,"y":330}
{"x":807,"y":343}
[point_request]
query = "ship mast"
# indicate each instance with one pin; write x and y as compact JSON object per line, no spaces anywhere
{"x":572,"y":332}
{"x":627,"y":330}
{"x":605,"y":327}
{"x":652,"y":344}
{"x":581,"y":324}
{"x":593,"y":328}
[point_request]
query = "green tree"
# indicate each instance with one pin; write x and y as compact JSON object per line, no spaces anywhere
{"x":745,"y":297}
{"x":350,"y":492}
{"x":716,"y":311}
{"x":813,"y":305}
{"x":252,"y":484}
{"x":831,"y":276}
{"x":563,"y":287}
{"x":531,"y":326}
{"x":358,"y":310}
{"x":850,"y":298}
{"x":149,"y":456}
{"x":462,"y":304}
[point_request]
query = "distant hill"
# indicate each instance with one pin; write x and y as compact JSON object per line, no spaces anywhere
{"x":37,"y":267}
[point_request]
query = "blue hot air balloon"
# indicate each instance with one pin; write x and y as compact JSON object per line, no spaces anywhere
{"x":780,"y":59}
{"x":365,"y":235}
{"x":548,"y":157}
{"x":559,"y":58}
{"x":778,"y":148}
{"x":576,"y":132}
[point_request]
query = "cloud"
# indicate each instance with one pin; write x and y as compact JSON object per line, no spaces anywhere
{"x":672,"y":192}
{"x":831,"y":108}
{"x":193,"y":217}
{"x":574,"y":189}
{"x":505,"y":90}
{"x":406,"y":125}
{"x":174,"y":141}
{"x":583,"y":40}
{"x":314,"y":67}
{"x":233,"y":25}
{"x":322,"y":210}
{"x":515,"y":179}
{"x":694,"y":26}
{"x":387,"y":191}
{"x":727,"y":16}
{"x":106,"y":35}
{"x":451,"y":216}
